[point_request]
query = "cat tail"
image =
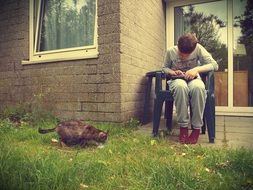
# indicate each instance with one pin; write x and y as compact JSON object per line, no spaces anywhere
{"x":43,"y":131}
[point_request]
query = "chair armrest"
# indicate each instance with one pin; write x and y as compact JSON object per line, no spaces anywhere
{"x":152,"y":73}
{"x":207,"y":77}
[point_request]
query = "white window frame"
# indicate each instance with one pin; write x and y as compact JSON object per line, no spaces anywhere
{"x":220,"y":110}
{"x":85,"y":52}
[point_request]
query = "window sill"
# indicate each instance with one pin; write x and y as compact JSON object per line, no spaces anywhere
{"x":49,"y":60}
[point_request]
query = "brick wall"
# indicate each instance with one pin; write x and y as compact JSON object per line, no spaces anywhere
{"x":142,"y":39}
{"x":108,"y":88}
{"x":13,"y":48}
{"x":82,"y":88}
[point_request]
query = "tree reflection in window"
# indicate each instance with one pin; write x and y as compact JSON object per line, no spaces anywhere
{"x":243,"y":35}
{"x":245,"y":21}
{"x":207,"y":27}
{"x":66,"y":24}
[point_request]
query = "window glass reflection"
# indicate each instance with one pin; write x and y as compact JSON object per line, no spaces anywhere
{"x":242,"y":52}
{"x":209,"y":22}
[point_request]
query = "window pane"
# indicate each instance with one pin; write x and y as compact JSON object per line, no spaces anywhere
{"x":243,"y":51}
{"x":209,"y":22}
{"x":66,"y":24}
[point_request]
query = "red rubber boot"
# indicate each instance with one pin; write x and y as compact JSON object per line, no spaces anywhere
{"x":183,"y":136}
{"x":193,"y":138}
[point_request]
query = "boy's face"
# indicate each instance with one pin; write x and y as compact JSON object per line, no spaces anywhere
{"x":183,"y":56}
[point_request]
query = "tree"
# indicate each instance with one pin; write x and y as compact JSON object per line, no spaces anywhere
{"x":87,"y":21}
{"x":245,"y":21}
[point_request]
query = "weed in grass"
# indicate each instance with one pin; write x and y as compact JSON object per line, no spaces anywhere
{"x":132,"y":123}
{"x":34,"y":112}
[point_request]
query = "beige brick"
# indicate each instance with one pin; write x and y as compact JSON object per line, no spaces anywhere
{"x":107,"y":2}
{"x":68,"y":106}
{"x":237,"y":122}
{"x":90,"y":116}
{"x":109,"y":88}
{"x":242,"y":137}
{"x":64,"y":114}
{"x":109,"y":107}
{"x":109,"y":48}
{"x":113,"y":117}
{"x":128,"y":106}
{"x":109,"y":18}
{"x":79,"y":97}
{"x":112,"y":28}
{"x":74,"y":88}
{"x":89,"y":107}
{"x":95,"y":79}
{"x":110,"y":78}
{"x":130,"y":97}
{"x":112,"y":97}
{"x":108,"y":59}
{"x":109,"y":68}
{"x":111,"y":9}
{"x":109,"y":38}
{"x":96,"y":97}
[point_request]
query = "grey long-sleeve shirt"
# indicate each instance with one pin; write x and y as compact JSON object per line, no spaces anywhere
{"x":198,"y":57}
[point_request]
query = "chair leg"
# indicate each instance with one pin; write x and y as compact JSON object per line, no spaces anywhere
{"x":203,"y":128}
{"x":191,"y":116}
{"x":156,"y":115}
{"x":146,"y":102}
{"x":211,"y":130}
{"x":210,"y":118}
{"x":168,"y":115}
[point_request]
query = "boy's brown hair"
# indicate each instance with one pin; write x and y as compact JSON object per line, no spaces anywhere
{"x":187,"y":43}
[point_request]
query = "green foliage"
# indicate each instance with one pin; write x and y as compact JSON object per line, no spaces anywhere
{"x":33,"y":112}
{"x":19,"y":114}
{"x":11,"y":111}
{"x":132,"y":123}
{"x":129,"y":160}
{"x":6,"y":126}
{"x":38,"y":108}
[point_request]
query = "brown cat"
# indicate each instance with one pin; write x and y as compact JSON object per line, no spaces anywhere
{"x":74,"y":132}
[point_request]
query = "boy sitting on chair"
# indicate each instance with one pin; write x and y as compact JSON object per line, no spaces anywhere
{"x":187,"y":60}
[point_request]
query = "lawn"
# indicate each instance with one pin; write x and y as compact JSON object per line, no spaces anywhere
{"x":128,"y":160}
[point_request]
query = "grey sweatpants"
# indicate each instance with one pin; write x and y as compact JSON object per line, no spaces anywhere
{"x":192,"y":92}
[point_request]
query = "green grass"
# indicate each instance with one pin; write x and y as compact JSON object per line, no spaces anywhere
{"x":129,"y":160}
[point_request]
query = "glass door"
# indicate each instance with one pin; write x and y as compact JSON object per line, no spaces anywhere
{"x":243,"y":53}
{"x":225,"y":29}
{"x":210,"y":26}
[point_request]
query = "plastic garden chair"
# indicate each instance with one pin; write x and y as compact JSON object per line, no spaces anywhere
{"x":165,"y":96}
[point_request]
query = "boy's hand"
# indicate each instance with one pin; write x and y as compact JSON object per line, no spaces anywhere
{"x":176,"y":73}
{"x":191,"y":74}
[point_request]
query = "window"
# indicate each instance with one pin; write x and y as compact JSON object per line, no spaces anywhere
{"x":62,"y":30}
